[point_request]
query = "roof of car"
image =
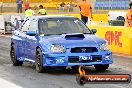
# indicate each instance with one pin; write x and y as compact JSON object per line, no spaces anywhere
{"x":52,"y":16}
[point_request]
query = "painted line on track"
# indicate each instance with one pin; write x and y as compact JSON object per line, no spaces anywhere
{"x":7,"y":84}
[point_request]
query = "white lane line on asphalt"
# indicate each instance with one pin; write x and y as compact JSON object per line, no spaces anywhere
{"x":7,"y":84}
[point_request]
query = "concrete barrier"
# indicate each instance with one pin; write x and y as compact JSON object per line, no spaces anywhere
{"x":119,"y":38}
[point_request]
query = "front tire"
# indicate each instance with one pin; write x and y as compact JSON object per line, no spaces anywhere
{"x":13,"y":57}
{"x":101,"y":67}
{"x":39,"y":61}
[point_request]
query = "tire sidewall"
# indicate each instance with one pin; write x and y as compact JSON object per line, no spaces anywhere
{"x":39,"y":69}
{"x":13,"y":60}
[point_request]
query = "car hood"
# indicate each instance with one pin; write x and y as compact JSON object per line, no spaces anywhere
{"x":88,"y":40}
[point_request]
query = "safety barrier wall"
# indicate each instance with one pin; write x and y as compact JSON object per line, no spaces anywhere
{"x":38,"y":1}
{"x":96,"y":17}
{"x":119,"y":38}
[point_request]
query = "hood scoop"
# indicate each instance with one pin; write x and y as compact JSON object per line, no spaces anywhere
{"x":75,"y":36}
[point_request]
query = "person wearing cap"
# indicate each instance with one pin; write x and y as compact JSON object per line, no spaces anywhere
{"x":129,"y":16}
{"x":29,"y":12}
{"x":86,"y":10}
{"x":42,"y":11}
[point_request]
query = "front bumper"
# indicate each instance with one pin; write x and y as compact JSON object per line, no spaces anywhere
{"x":51,"y":59}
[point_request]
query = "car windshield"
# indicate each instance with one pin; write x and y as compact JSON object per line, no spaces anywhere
{"x":62,"y":26}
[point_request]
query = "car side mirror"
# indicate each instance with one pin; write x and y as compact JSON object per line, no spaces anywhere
{"x":94,"y":31}
{"x":31,"y":33}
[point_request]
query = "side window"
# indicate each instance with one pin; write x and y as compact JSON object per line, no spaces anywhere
{"x":25,"y":26}
{"x":43,"y":26}
{"x":33,"y":25}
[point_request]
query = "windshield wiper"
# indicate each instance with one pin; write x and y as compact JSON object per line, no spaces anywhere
{"x":55,"y":34}
{"x":62,"y":33}
{"x":71,"y":33}
{"x":88,"y":33}
{"x":49,"y":34}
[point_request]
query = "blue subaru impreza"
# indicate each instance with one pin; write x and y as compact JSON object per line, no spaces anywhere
{"x":58,"y":41}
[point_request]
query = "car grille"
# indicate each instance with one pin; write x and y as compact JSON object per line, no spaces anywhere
{"x":75,"y":59}
{"x":84,"y":50}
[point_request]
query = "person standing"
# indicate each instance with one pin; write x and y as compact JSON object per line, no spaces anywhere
{"x":19,"y":6}
{"x":86,"y":10}
{"x":26,"y":4}
{"x":42,"y":11}
{"x":62,"y":6}
{"x":29,"y":12}
{"x":129,"y":16}
{"x":70,"y":7}
{"x":35,"y":7}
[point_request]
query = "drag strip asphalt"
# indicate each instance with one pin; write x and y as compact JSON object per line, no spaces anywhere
{"x":27,"y":77}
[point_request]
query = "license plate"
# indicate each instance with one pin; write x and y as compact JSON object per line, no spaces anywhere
{"x":81,"y":58}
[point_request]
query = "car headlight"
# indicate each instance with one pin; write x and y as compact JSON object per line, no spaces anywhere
{"x":104,"y":46}
{"x":58,"y":48}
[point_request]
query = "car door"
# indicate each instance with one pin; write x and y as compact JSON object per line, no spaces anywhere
{"x":23,"y":47}
{"x":31,"y":42}
{"x":18,"y":43}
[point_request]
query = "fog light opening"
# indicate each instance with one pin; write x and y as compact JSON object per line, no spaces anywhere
{"x":107,"y":57}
